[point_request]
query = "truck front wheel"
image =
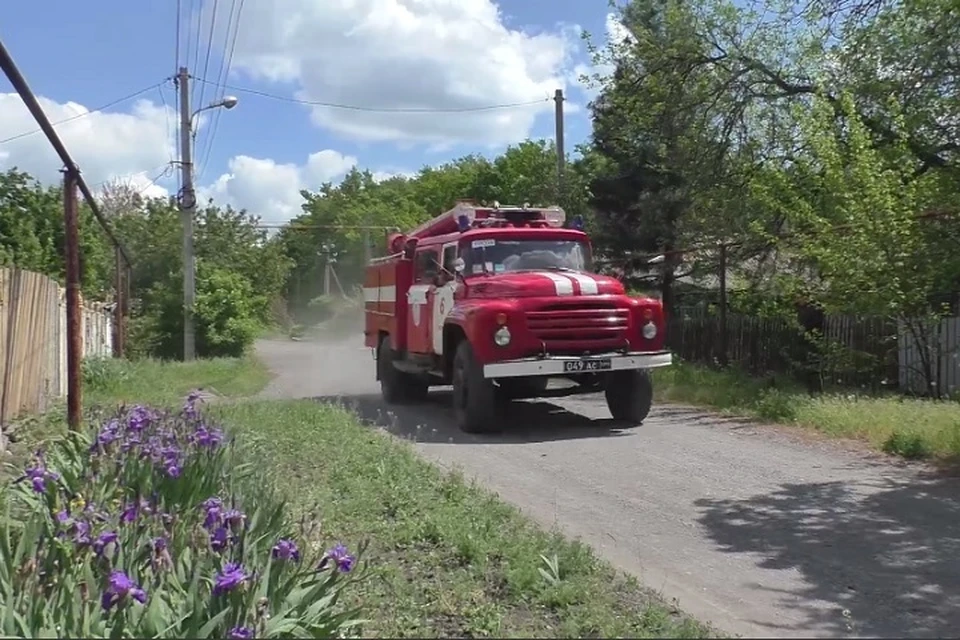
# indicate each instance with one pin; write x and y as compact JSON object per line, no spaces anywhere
{"x":475,"y":404}
{"x":629,"y":395}
{"x":398,"y":387}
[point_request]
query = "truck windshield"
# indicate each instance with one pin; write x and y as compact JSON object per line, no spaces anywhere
{"x":493,"y":255}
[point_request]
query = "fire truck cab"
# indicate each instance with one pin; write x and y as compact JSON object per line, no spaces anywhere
{"x":496,"y":301}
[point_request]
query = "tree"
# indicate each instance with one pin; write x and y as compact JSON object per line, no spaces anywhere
{"x":664,"y":140}
{"x":854,"y":210}
{"x":32,"y":234}
{"x":240,"y":271}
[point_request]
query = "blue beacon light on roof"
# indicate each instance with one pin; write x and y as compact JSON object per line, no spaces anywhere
{"x":463,"y":223}
{"x":577,"y":223}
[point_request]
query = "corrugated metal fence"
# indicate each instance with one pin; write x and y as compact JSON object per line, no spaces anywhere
{"x":33,"y":341}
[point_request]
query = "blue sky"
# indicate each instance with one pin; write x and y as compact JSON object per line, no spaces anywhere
{"x":93,"y":53}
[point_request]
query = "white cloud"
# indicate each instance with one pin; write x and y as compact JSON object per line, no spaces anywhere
{"x":136,"y":148}
{"x":271,"y":190}
{"x":407,"y":54}
{"x":106,"y":146}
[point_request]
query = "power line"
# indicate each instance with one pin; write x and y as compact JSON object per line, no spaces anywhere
{"x":196,"y":52}
{"x":350,"y":107}
{"x":226,"y":61}
{"x":176,"y":46}
{"x":87,"y":113}
{"x":206,"y":62}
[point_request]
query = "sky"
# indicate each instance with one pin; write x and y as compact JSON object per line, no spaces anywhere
{"x":418,"y":83}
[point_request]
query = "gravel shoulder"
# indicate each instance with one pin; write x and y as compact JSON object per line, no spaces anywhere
{"x":760,"y":532}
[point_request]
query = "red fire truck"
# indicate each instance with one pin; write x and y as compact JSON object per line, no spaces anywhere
{"x":497,"y":300}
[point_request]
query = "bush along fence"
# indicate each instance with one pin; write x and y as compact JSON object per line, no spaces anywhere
{"x":150,"y":525}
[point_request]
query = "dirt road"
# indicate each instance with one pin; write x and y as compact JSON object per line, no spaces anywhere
{"x":760,"y":532}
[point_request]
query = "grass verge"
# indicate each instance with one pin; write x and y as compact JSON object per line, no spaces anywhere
{"x":448,"y":559}
{"x":908,"y":427}
{"x":108,"y":381}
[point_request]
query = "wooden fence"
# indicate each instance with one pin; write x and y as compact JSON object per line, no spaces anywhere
{"x":866,"y":353}
{"x":33,"y":341}
{"x":944,"y":359}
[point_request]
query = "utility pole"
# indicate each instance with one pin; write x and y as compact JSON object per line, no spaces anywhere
{"x":71,"y":223}
{"x":188,"y":202}
{"x":558,"y":116}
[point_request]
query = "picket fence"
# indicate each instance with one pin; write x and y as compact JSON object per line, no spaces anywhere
{"x":33,"y":341}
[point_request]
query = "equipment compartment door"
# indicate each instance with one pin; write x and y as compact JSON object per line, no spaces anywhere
{"x":420,"y":299}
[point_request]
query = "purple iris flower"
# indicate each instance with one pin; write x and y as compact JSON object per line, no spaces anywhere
{"x":118,"y":588}
{"x":234,"y":519}
{"x":214,"y":512}
{"x":81,"y":533}
{"x":39,"y":475}
{"x":219,"y":539}
{"x":241,"y":633}
{"x":286,"y":549}
{"x":229,"y":579}
{"x":139,"y":418}
{"x":340,"y":557}
{"x":104,"y":540}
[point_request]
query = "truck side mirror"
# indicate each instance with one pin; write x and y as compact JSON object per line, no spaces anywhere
{"x":409,"y":248}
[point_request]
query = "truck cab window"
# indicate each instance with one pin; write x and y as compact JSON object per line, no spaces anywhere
{"x":426,"y":266}
{"x":527,"y":255}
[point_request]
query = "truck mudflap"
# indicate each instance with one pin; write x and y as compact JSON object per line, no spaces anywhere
{"x":568,"y":365}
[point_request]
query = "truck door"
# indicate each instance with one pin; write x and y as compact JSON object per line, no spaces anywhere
{"x":420,"y":300}
{"x":443,"y":296}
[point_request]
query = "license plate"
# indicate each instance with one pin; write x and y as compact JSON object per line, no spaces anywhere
{"x":602,"y":364}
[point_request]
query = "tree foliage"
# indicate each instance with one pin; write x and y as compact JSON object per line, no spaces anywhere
{"x":240,"y":271}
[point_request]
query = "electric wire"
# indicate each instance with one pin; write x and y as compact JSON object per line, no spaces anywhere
{"x":206,"y":61}
{"x":226,"y":62}
{"x":176,"y":46}
{"x":112,"y":103}
{"x":351,"y":107}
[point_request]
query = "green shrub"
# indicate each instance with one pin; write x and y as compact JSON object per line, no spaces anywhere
{"x":226,"y":314}
{"x":152,"y":526}
{"x":103,"y":373}
{"x":909,"y":445}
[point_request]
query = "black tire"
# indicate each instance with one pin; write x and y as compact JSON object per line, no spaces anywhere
{"x":629,"y":395}
{"x":518,"y":388}
{"x":475,"y":403}
{"x":398,"y":387}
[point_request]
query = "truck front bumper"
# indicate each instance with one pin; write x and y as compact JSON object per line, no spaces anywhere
{"x":571,"y":365}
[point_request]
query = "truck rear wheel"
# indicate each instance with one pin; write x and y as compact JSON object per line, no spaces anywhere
{"x":398,"y":387}
{"x":475,"y":403}
{"x":629,"y":395}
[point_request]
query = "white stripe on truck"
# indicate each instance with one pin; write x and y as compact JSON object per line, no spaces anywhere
{"x":588,"y":286}
{"x":562,"y":286}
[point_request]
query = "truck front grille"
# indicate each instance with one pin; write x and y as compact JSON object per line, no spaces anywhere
{"x":579,"y":327}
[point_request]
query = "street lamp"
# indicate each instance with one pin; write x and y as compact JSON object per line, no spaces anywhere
{"x":187,"y":199}
{"x":227,"y":102}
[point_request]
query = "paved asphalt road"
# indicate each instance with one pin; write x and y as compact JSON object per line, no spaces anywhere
{"x":758,"y":530}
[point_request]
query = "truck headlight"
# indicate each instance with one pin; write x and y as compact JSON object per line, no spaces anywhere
{"x":502,"y":337}
{"x":649,"y":331}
